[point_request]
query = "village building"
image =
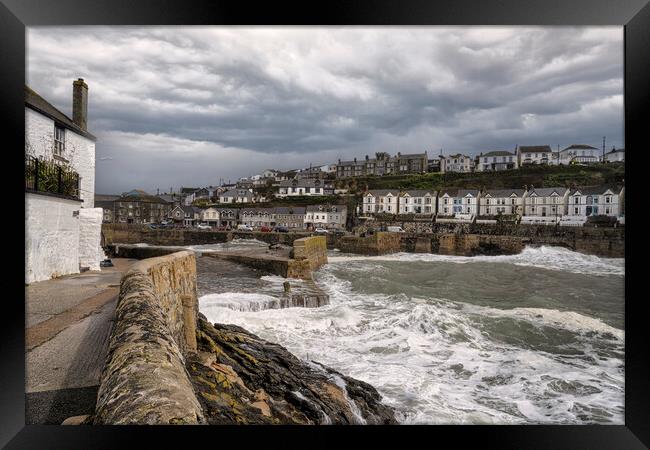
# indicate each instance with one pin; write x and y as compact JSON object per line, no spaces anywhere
{"x":228,"y":217}
{"x":237,"y":196}
{"x":107,"y":203}
{"x":494,"y":202}
{"x":326,"y":216}
{"x":545,"y":205}
{"x":455,"y":163}
{"x":191,"y":216}
{"x":256,"y":217}
{"x":383,"y":164}
{"x":615,"y":155}
{"x":137,"y":206}
{"x":62,"y":226}
{"x":596,"y":201}
{"x":580,"y":154}
{"x":417,"y":202}
{"x":535,"y":154}
{"x":496,"y":160}
{"x":381,"y":201}
{"x":292,"y":217}
{"x":211,"y":216}
{"x":460,"y":203}
{"x":304,"y":187}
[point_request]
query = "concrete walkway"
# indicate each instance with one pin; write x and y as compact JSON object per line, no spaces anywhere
{"x":68,"y":323}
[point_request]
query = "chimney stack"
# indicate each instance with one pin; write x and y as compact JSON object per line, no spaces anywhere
{"x":80,"y":103}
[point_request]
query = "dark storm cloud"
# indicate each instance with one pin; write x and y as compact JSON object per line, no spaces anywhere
{"x":191,"y":105}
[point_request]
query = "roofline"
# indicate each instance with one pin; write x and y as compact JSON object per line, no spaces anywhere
{"x":65,"y":125}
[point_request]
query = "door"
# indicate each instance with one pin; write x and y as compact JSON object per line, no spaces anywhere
{"x":543,"y":211}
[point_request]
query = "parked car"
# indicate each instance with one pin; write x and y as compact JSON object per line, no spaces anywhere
{"x":321,"y":231}
{"x":281,"y":230}
{"x":395,"y":230}
{"x":266,"y":229}
{"x":243,"y":227}
{"x":203,"y":226}
{"x":153,"y":226}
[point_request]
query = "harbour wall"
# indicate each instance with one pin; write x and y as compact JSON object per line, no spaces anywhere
{"x":145,"y":380}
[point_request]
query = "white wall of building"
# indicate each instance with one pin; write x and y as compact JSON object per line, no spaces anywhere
{"x":79,"y":151}
{"x":90,"y":235}
{"x":51,"y":237}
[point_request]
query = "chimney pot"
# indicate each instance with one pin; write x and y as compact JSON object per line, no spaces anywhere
{"x":80,"y":103}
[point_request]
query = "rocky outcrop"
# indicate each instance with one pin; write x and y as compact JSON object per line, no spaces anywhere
{"x":242,"y":379}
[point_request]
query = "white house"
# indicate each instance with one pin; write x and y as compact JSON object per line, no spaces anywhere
{"x":381,"y":201}
{"x":502,"y":201}
{"x":535,"y":154}
{"x":305,"y":186}
{"x":615,"y":155}
{"x":62,"y":227}
{"x":420,"y":201}
{"x":496,"y":160}
{"x":545,"y":204}
{"x":210,"y":216}
{"x":256,"y":217}
{"x":455,"y":163}
{"x":326,"y":216}
{"x":596,"y":200}
{"x":580,"y":153}
{"x":236,"y":196}
{"x":461,"y":203}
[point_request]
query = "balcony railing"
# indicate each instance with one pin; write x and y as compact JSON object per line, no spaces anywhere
{"x":50,"y":177}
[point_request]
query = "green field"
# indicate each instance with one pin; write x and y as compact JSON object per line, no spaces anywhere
{"x":538,"y":176}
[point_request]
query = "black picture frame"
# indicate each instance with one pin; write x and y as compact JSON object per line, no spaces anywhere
{"x":634,"y":15}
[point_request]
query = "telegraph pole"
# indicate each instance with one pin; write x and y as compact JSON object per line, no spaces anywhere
{"x":603,"y":160}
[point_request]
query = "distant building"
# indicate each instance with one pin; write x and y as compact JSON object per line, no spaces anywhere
{"x":256,"y":217}
{"x":455,"y":163}
{"x":596,"y":200}
{"x":496,"y":160}
{"x":292,"y":217}
{"x":535,"y":154}
{"x":137,"y":206}
{"x":580,"y":154}
{"x":107,"y":203}
{"x":381,"y":201}
{"x":228,"y":217}
{"x":326,"y":216}
{"x":211,"y":216}
{"x":304,"y":187}
{"x":462,"y":203}
{"x":546,"y":202}
{"x":494,"y":202}
{"x":417,"y":202}
{"x":192,"y":215}
{"x":383,"y":164}
{"x":236,"y":196}
{"x":615,"y":155}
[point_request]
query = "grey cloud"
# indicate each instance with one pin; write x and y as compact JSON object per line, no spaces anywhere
{"x":285,"y":97}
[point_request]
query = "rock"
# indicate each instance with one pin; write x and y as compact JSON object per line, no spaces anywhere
{"x":77,"y":420}
{"x":252,"y":381}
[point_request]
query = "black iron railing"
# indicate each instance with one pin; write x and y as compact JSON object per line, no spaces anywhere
{"x":50,"y":177}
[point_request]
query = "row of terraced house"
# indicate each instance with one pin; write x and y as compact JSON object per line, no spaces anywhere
{"x":554,"y":205}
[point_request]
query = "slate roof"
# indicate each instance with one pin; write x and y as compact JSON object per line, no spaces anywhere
{"x":503,"y":192}
{"x":39,"y":104}
{"x":595,"y":190}
{"x":138,"y":195}
{"x":419,"y":193}
{"x":546,"y":192}
{"x":616,"y":150}
{"x":580,"y":147}
{"x":300,"y":210}
{"x":326,"y":208}
{"x":498,"y":153}
{"x":459,"y":192}
{"x":535,"y":148}
{"x":382,"y":192}
{"x":256,"y":211}
{"x":237,"y":193}
{"x":105,"y":198}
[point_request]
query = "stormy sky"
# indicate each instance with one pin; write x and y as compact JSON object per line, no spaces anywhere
{"x":188,"y":106}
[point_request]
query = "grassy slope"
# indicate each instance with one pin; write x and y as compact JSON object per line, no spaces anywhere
{"x":538,"y":176}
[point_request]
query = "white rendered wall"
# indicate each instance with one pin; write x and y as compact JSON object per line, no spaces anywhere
{"x":90,"y":235}
{"x":79,"y":150}
{"x":51,"y":237}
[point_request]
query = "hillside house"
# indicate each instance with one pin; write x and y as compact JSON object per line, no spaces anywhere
{"x":494,"y":202}
{"x":596,"y":200}
{"x":496,"y":160}
{"x":461,"y":204}
{"x":381,"y":201}
{"x":456,"y":163}
{"x":535,"y":154}
{"x":326,"y":216}
{"x":580,"y":154}
{"x":545,"y":205}
{"x":421,"y":202}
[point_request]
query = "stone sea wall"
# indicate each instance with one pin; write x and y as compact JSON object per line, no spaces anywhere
{"x":313,"y":249}
{"x":379,"y":243}
{"x":145,"y":380}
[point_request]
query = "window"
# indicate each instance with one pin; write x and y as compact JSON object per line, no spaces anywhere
{"x":608,"y":199}
{"x":59,"y":140}
{"x":575,"y":211}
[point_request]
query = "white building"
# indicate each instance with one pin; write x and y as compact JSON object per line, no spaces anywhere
{"x":455,"y":163}
{"x":381,"y":201}
{"x":461,"y":203}
{"x":615,"y":155}
{"x":546,"y":202}
{"x":595,"y":201}
{"x":535,"y":154}
{"x":494,"y":202}
{"x":326,"y":216}
{"x":256,"y":217}
{"x":496,"y":160}
{"x":236,"y":196}
{"x":420,"y":201}
{"x":210,"y":216}
{"x":303,"y":187}
{"x":580,"y":154}
{"x":62,"y":227}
